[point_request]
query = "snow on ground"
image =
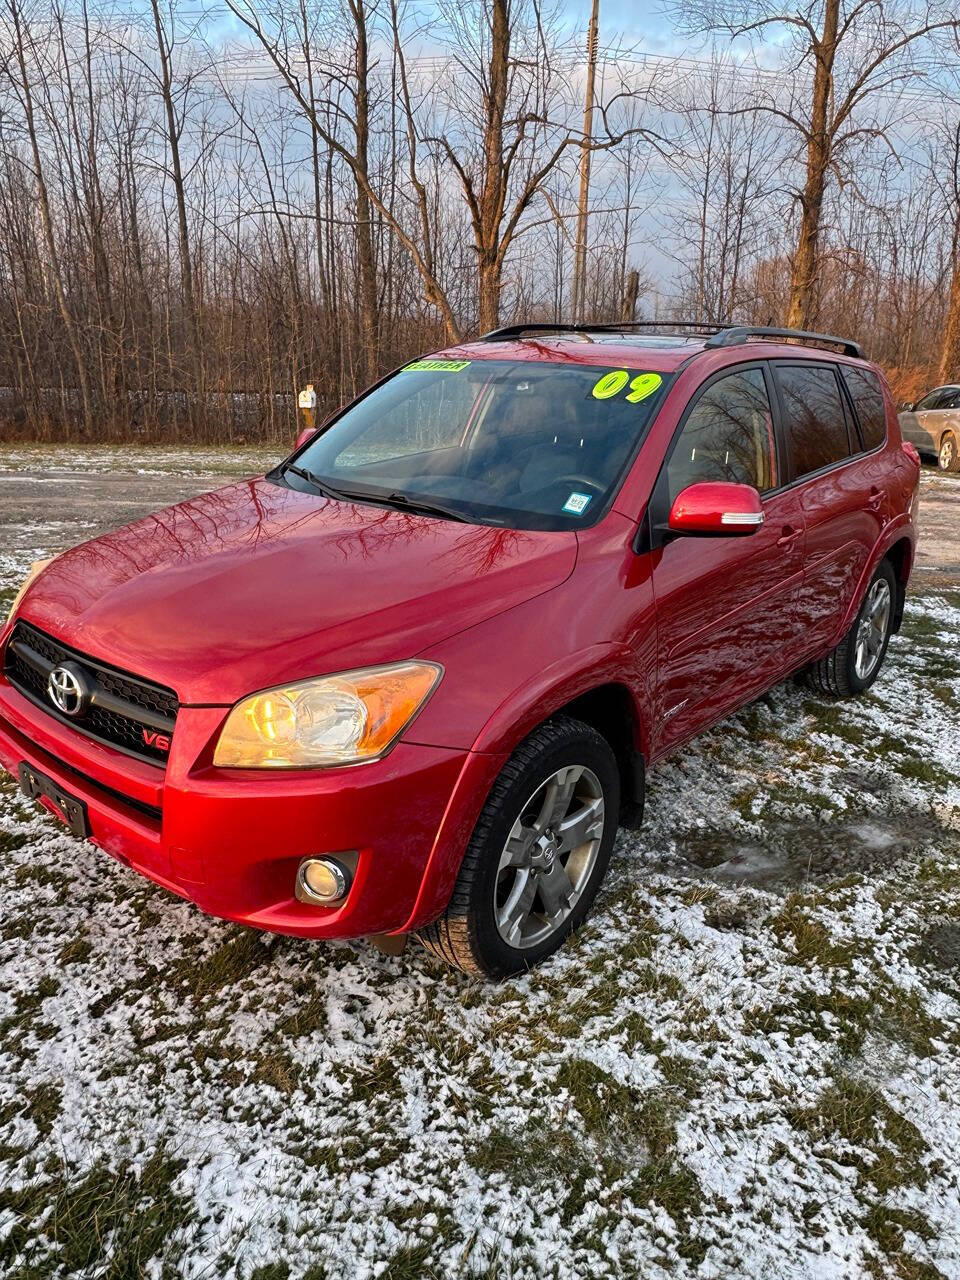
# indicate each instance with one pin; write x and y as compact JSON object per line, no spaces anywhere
{"x":745,"y":1064}
{"x":45,"y":461}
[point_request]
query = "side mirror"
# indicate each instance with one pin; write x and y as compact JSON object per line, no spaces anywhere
{"x":306,"y":434}
{"x":715,"y":507}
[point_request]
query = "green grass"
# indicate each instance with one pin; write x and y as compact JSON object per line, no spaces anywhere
{"x":888,"y":1150}
{"x":229,"y":965}
{"x":111,"y":1222}
{"x":808,"y":940}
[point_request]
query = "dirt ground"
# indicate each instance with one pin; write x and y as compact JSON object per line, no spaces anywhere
{"x":102,"y":488}
{"x":938,"y":556}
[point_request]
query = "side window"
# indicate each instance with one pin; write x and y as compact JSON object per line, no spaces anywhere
{"x":424,"y":414}
{"x":728,"y":435}
{"x":953,"y":400}
{"x":867,"y":397}
{"x":813,"y":417}
{"x":932,"y":400}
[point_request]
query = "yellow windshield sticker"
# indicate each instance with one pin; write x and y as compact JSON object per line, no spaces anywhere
{"x":612,"y":383}
{"x":435,"y":366}
{"x":643,"y":385}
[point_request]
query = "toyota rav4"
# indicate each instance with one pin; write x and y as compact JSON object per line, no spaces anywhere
{"x":411,"y":680}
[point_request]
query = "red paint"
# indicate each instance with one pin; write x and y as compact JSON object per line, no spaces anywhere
{"x":911,"y":451}
{"x":717,"y":507}
{"x":255,"y":585}
{"x":153,"y":739}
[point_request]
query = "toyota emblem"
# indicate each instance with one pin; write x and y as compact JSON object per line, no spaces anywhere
{"x":67,"y":690}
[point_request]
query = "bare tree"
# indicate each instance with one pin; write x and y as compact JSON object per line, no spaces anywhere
{"x":950,"y":185}
{"x":848,"y":64}
{"x":25,"y":46}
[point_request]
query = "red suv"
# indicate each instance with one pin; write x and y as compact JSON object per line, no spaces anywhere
{"x":411,"y":679}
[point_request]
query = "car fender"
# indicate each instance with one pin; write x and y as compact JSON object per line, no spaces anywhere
{"x":899,"y":527}
{"x":526,"y":707}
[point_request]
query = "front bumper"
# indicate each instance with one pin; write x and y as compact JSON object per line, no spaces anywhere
{"x":231,"y":841}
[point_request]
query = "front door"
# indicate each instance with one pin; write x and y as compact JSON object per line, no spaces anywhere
{"x":726,"y":606}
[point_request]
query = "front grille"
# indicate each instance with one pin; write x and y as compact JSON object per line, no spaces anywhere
{"x":123,"y":709}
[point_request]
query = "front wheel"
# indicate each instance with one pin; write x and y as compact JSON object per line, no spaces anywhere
{"x":949,"y":455}
{"x":855,"y":663}
{"x":537,"y":854}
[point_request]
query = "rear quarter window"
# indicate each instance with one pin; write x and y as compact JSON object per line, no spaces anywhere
{"x":867,"y":396}
{"x":813,"y":416}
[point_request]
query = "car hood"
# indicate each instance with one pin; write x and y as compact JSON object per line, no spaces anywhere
{"x":258,"y":584}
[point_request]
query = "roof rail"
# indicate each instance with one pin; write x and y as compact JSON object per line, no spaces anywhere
{"x":519,"y":330}
{"x":733,"y":335}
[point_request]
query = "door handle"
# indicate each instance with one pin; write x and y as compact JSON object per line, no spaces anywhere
{"x":788,"y":536}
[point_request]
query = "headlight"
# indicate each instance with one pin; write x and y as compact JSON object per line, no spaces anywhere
{"x":36,"y":569}
{"x":340,"y":719}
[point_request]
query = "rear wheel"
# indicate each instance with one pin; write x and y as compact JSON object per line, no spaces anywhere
{"x":537,"y":854}
{"x":855,"y":663}
{"x":949,"y":455}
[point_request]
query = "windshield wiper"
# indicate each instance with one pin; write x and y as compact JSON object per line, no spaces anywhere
{"x":421,"y":507}
{"x":327,"y":490}
{"x":399,"y":500}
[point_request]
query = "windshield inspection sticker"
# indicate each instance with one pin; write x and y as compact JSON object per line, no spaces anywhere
{"x":577,"y":503}
{"x":435,"y":366}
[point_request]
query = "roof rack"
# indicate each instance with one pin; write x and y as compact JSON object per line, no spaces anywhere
{"x":733,"y":335}
{"x":519,"y":330}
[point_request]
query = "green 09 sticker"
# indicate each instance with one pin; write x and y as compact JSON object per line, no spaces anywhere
{"x":612,"y":383}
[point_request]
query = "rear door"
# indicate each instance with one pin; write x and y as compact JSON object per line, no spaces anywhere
{"x":944,"y":421}
{"x":842,"y":490}
{"x":726,"y":606}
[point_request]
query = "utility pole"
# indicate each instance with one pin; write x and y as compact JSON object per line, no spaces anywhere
{"x":580,"y":251}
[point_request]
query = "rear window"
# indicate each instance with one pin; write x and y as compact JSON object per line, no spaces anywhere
{"x":813,"y":416}
{"x":867,"y":396}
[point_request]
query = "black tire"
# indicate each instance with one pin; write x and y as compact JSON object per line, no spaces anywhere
{"x":466,"y":935}
{"x":948,"y":459}
{"x":836,"y":676}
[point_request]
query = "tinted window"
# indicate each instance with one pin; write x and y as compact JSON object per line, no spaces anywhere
{"x":728,"y":435}
{"x":867,"y":397}
{"x":939,"y":399}
{"x":812,"y":416}
{"x":528,"y":444}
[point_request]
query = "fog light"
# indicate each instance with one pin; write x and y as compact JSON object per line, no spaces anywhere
{"x":323,"y":881}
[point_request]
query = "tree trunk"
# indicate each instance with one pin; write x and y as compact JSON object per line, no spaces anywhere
{"x":806,"y":262}
{"x":950,"y":352}
{"x":365,"y":254}
{"x":46,"y":220}
{"x":491,"y":201}
{"x":173,"y":140}
{"x":632,"y":292}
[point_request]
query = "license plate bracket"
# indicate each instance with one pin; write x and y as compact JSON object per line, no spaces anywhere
{"x":36,"y":786}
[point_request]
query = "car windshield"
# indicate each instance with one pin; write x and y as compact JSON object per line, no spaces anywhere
{"x":529,"y":445}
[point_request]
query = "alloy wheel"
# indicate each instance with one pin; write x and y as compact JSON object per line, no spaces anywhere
{"x":872,"y":631}
{"x":548,"y":857}
{"x":947,"y":450}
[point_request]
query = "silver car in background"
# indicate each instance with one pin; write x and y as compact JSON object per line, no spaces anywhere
{"x":933,"y":425}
